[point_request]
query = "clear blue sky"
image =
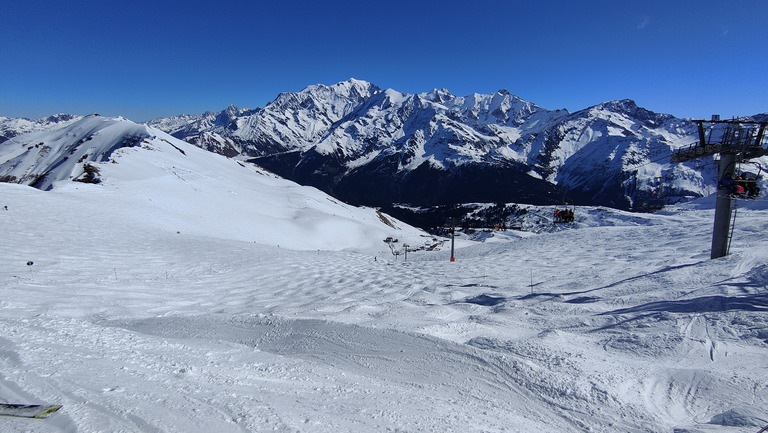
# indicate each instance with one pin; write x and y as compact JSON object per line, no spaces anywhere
{"x":145,"y":59}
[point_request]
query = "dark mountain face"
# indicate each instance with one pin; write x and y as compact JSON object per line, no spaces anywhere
{"x":380,"y":183}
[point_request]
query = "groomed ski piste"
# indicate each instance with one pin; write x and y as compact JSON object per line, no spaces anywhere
{"x":191,"y":293}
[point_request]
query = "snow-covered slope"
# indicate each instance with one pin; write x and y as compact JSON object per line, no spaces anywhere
{"x":167,"y":183}
{"x":621,"y":324}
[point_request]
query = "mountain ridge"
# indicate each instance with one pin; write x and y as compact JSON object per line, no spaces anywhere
{"x":372,"y":146}
{"x":393,"y":141}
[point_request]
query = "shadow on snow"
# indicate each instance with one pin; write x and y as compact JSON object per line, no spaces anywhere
{"x":704,"y":304}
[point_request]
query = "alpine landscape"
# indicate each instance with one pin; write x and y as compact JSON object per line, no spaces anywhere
{"x":168,"y":276}
{"x":403,"y":216}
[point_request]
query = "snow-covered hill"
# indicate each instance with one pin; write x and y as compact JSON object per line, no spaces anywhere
{"x":148,"y":175}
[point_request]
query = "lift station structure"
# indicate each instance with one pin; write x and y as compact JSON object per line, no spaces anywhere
{"x":737,"y":141}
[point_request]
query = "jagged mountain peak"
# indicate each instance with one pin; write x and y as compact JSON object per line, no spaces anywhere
{"x":438,"y":95}
{"x":627,"y":105}
{"x":61,"y":117}
{"x":225,"y":117}
{"x":355,"y":88}
{"x":232,"y":109}
{"x":628,"y":109}
{"x":330,"y":103}
{"x":621,"y":106}
{"x":352,"y":90}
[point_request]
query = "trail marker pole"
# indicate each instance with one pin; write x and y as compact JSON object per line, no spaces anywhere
{"x":453,"y":236}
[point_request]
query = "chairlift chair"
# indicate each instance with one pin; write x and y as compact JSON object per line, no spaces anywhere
{"x":564,"y":215}
{"x":751,"y":190}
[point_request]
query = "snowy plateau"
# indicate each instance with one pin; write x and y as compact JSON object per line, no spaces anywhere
{"x":149,"y":285}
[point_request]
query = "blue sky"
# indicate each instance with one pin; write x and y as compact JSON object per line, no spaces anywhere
{"x":145,"y":59}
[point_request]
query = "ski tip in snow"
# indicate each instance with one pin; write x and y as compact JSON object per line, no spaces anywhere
{"x":37,"y":411}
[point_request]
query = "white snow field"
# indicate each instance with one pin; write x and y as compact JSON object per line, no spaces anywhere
{"x":182,"y":295}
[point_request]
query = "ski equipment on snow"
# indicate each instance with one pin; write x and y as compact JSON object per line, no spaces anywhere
{"x":37,"y":411}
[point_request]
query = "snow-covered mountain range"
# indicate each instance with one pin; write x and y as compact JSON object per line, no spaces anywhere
{"x":377,"y":147}
{"x":372,"y":146}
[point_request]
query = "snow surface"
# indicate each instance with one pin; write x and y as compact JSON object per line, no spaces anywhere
{"x":160,"y":301}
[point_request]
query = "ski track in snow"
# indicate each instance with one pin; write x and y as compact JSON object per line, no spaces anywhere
{"x":617,"y":328}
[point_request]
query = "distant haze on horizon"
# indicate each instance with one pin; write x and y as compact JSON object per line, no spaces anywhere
{"x":144,"y":60}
